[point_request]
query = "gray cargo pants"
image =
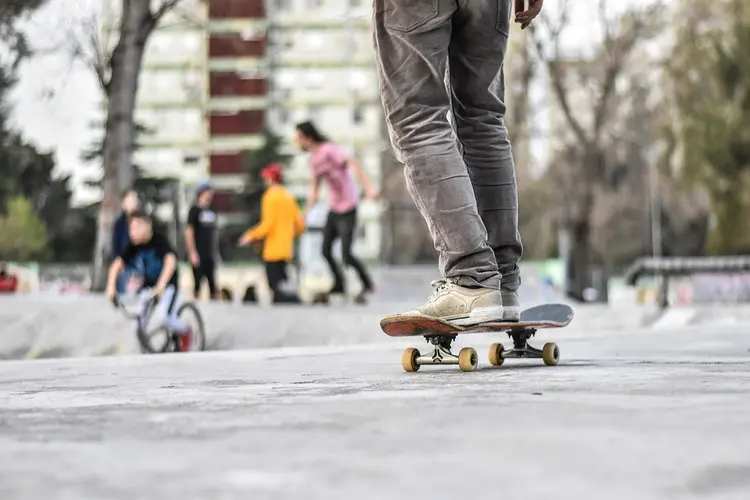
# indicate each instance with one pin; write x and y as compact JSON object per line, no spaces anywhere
{"x":467,"y":196}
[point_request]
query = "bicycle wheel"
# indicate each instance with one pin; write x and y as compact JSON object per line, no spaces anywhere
{"x":189,"y":313}
{"x":158,"y":340}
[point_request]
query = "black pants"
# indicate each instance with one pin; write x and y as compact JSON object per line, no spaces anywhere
{"x":276,"y":274}
{"x":343,"y":226}
{"x":206,"y":269}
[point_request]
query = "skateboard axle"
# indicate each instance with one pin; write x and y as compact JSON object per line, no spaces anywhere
{"x":439,"y":356}
{"x":521,"y":347}
{"x":526,"y":351}
{"x":441,"y":351}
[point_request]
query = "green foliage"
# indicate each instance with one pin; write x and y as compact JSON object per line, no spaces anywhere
{"x":710,"y":84}
{"x":29,"y":175}
{"x":24,"y":234}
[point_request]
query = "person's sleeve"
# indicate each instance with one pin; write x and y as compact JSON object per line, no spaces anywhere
{"x":299,"y":220}
{"x":163,"y":247}
{"x":267,"y":217}
{"x":117,"y":239}
{"x":127,"y":254}
{"x":192,"y":219}
{"x":336,"y":156}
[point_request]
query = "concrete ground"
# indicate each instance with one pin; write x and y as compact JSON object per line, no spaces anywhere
{"x":633,"y":415}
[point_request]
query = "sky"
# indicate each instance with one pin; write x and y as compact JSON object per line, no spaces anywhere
{"x":56,"y":98}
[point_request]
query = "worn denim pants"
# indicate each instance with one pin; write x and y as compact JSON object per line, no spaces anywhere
{"x":441,"y":56}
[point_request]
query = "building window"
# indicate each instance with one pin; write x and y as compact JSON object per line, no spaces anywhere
{"x":191,"y":157}
{"x":316,"y":78}
{"x":314,"y":112}
{"x":314,"y":41}
{"x":283,"y":116}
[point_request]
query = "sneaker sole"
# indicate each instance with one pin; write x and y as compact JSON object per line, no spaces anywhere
{"x":480,"y":315}
{"x":512,"y":313}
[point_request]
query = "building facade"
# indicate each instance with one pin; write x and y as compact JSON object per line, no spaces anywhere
{"x":216,"y":73}
{"x":322,"y":66}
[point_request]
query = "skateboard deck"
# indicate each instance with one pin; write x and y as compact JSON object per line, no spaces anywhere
{"x":441,"y":334}
{"x":538,"y":317}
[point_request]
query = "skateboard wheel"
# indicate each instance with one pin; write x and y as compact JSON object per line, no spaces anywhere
{"x":468,"y":359}
{"x":550,"y":354}
{"x":409,"y":359}
{"x":497,"y":353}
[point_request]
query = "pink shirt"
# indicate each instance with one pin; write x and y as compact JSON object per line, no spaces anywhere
{"x":328,"y":163}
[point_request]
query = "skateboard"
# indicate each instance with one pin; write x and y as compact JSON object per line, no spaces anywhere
{"x":441,"y":335}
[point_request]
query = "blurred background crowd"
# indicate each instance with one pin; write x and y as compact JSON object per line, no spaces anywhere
{"x":629,"y":120}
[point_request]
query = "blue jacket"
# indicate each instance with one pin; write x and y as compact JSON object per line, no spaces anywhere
{"x":120,"y":235}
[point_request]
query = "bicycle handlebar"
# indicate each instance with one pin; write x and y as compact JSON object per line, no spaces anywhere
{"x":152,"y":301}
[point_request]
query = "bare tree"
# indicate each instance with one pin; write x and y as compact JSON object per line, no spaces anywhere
{"x":584,"y":88}
{"x":117,"y":71}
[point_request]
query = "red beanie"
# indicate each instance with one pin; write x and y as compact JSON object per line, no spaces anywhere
{"x":272,"y":172}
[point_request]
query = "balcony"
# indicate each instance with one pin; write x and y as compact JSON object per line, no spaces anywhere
{"x":236,"y":9}
{"x":231,"y":84}
{"x":235,"y":46}
{"x":226,"y":202}
{"x":227,"y":164}
{"x":239,"y":123}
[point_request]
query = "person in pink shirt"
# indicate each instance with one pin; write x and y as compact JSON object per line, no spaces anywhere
{"x":331,"y":165}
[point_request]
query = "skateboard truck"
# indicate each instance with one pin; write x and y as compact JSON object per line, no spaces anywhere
{"x":521,"y":347}
{"x":467,"y":359}
{"x":441,"y":351}
{"x":550,"y":353}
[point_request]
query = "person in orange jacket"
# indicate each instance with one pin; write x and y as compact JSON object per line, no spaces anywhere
{"x":280,"y":223}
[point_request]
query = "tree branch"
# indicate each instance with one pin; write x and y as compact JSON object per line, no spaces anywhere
{"x":164,"y":8}
{"x":156,"y":16}
{"x":554,"y":65}
{"x":88,"y":49}
{"x":618,"y":49}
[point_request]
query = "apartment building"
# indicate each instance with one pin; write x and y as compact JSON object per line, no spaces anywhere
{"x":322,"y":68}
{"x":216,"y":73}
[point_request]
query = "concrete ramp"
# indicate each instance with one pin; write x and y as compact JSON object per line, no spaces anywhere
{"x":87,"y":325}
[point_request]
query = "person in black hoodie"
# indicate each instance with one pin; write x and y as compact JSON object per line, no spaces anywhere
{"x":120,"y":236}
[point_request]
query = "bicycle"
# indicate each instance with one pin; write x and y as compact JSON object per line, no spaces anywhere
{"x":170,"y":338}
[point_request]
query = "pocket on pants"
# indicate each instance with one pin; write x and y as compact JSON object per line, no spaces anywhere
{"x":503,"y":16}
{"x":408,"y":15}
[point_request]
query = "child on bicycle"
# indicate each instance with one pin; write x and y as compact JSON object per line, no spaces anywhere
{"x":160,"y":272}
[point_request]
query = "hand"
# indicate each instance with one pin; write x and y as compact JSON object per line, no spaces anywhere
{"x":111,"y":293}
{"x":159,"y":290}
{"x":372,"y":193}
{"x":194,"y":259}
{"x":243,"y":241}
{"x":525,"y":18}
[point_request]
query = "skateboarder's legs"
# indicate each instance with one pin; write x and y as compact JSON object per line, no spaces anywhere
{"x":478,"y":49}
{"x":413,"y":43}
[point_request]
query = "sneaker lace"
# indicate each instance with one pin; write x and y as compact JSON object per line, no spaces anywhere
{"x":440,"y":285}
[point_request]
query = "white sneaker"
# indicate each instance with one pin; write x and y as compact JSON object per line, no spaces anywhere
{"x":511,"y":306}
{"x":461,"y":305}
